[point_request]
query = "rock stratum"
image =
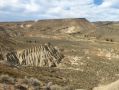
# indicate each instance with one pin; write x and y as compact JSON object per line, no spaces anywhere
{"x":42,"y":56}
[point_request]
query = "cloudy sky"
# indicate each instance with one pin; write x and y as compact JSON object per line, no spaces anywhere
{"x":93,"y":10}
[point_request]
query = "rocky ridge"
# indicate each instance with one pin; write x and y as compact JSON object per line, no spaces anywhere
{"x":42,"y":56}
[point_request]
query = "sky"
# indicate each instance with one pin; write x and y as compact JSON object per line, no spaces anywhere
{"x":93,"y":10}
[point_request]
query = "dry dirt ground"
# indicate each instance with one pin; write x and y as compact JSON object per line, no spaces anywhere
{"x":91,"y":51}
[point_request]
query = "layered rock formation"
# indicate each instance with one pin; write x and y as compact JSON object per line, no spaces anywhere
{"x":43,"y":56}
{"x":7,"y":45}
{"x":41,"y":28}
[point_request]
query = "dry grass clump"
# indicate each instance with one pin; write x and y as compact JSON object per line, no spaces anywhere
{"x":34,"y":82}
{"x":30,"y":83}
{"x":7,"y":79}
{"x":57,"y":87}
{"x":20,"y":87}
{"x":51,"y":86}
{"x":110,"y":40}
{"x":21,"y":84}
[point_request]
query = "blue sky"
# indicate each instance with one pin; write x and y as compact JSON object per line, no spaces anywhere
{"x":93,"y":10}
{"x":98,"y":2}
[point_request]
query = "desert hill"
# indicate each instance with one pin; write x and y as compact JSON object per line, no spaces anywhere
{"x":45,"y":28}
{"x":107,"y":31}
{"x":82,"y":54}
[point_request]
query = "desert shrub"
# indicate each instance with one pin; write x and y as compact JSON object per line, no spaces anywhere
{"x":1,"y":57}
{"x":29,"y":83}
{"x":25,"y":80}
{"x":68,"y":88}
{"x":7,"y":79}
{"x":108,"y":39}
{"x":57,"y":87}
{"x":34,"y":82}
{"x":48,"y":86}
{"x":20,"y":87}
{"x":111,"y":40}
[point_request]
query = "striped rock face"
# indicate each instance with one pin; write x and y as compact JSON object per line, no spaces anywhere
{"x":3,"y":52}
{"x":42,"y":56}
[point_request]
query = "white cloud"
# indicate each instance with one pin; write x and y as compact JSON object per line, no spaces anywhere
{"x":32,"y":7}
{"x":41,"y":9}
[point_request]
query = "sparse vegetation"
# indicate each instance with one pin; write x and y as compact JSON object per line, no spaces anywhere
{"x":21,"y":84}
{"x":110,"y":40}
{"x":7,"y":79}
{"x":97,"y":61}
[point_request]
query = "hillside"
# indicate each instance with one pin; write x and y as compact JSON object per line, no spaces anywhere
{"x":107,"y":31}
{"x":60,"y":28}
{"x":78,"y":54}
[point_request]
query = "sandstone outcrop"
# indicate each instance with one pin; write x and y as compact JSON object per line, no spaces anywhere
{"x":42,"y":56}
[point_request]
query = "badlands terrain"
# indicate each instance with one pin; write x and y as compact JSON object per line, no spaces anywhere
{"x":59,"y":54}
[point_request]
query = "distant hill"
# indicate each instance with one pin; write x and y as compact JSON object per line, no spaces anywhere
{"x":107,"y":31}
{"x":47,"y":27}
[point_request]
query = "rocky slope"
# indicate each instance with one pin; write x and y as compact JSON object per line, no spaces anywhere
{"x":107,"y":31}
{"x":90,"y":55}
{"x":61,"y":28}
{"x":43,"y":56}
